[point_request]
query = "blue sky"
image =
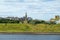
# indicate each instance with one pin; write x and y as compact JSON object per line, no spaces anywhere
{"x":37,"y":9}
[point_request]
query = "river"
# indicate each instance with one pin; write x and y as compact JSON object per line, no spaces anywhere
{"x":29,"y":37}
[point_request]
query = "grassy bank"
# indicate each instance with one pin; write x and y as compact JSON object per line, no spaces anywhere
{"x":29,"y":28}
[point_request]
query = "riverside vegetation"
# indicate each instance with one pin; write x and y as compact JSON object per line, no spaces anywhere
{"x":10,"y":27}
{"x":27,"y":24}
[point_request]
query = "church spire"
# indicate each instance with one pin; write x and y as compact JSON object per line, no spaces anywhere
{"x":25,"y":18}
{"x":26,"y":15}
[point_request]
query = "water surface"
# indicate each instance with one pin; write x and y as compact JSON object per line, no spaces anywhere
{"x":29,"y":37}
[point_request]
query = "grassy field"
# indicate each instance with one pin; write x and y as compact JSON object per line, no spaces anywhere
{"x":29,"y":27}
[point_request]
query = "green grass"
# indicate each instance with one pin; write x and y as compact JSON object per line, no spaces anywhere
{"x":29,"y":28}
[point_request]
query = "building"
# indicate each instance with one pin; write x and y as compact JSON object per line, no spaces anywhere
{"x":12,"y":18}
{"x":57,"y":22}
{"x":52,"y":20}
{"x":25,"y":21}
{"x":56,"y":19}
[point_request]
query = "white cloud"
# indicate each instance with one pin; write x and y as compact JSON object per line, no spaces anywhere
{"x":31,"y":6}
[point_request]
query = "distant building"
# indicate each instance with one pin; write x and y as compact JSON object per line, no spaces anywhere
{"x":52,"y":20}
{"x":25,"y":21}
{"x":12,"y":18}
{"x":56,"y":19}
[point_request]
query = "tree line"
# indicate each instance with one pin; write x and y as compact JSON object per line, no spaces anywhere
{"x":22,"y":19}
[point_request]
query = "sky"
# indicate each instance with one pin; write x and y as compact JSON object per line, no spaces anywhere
{"x":37,"y":9}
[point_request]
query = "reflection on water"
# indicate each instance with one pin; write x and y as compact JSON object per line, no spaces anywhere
{"x":29,"y":37}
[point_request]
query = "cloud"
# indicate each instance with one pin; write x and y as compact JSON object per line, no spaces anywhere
{"x":35,"y":8}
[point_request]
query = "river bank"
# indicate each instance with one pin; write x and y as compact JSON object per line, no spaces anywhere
{"x":32,"y":33}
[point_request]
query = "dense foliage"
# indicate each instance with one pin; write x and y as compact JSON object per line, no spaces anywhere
{"x":29,"y":27}
{"x":21,"y":20}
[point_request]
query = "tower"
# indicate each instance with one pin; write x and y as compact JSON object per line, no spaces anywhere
{"x":57,"y":17}
{"x":26,"y":16}
{"x":25,"y":21}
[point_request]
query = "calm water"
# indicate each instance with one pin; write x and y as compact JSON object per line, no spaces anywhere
{"x":29,"y":37}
